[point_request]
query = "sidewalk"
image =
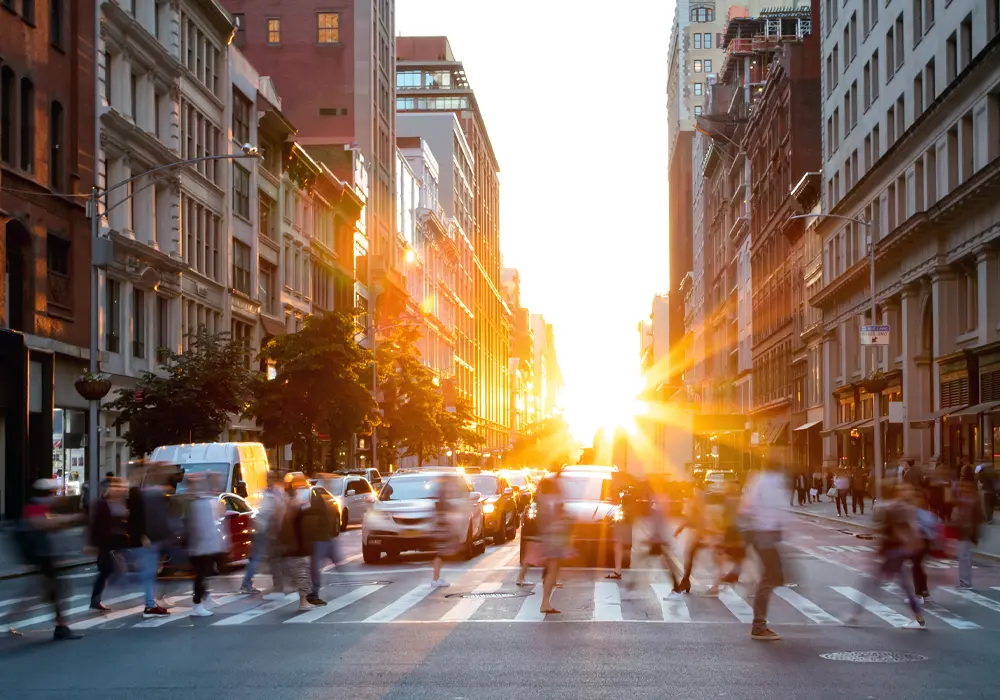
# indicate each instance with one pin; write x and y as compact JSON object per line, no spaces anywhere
{"x":68,"y":544}
{"x":826,"y":511}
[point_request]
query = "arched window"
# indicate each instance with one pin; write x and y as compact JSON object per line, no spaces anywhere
{"x":56,"y":148}
{"x":27,"y":125}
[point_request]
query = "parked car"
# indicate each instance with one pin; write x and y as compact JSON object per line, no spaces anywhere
{"x":403,"y":517}
{"x":243,"y":466}
{"x":373,"y":475}
{"x":524,"y":489}
{"x":719,"y":481}
{"x":499,"y":505}
{"x":236,"y":524}
{"x":353,"y":494}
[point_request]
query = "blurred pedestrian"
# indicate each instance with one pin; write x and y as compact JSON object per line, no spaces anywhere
{"x":109,"y":535}
{"x":663,"y":500}
{"x":206,"y":545}
{"x":899,"y":542}
{"x":966,"y":516}
{"x":446,"y":497}
{"x":149,"y":528}
{"x":841,"y":487}
{"x":987,"y":478}
{"x":763,"y":515}
{"x":817,"y":487}
{"x":554,"y":531}
{"x":622,"y":528}
{"x":859,"y":483}
{"x":695,"y":522}
{"x":322,"y":525}
{"x":34,"y":537}
{"x":928,"y":530}
{"x":296,"y":547}
{"x":800,"y":487}
{"x":266,"y":537}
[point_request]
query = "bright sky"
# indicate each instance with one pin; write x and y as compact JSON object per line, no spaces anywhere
{"x":573,"y":95}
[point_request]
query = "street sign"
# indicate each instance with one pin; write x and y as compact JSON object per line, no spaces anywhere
{"x":874,"y":335}
{"x":754,"y":439}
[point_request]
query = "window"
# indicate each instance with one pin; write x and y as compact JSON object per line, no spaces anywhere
{"x":875,"y":144}
{"x":836,"y":65}
{"x":890,"y":52}
{"x":702,"y":14}
{"x":56,"y":23}
{"x":836,"y":129}
{"x":138,"y":323}
{"x":708,"y":65}
{"x":699,"y":89}
{"x":868,"y":152}
{"x":56,"y":129}
{"x":707,"y":43}
{"x":900,"y":115}
{"x":951,"y":58}
{"x":847,"y":112}
{"x":930,"y":93}
{"x":918,"y":95}
{"x":697,"y":66}
{"x":133,"y":89}
{"x":968,"y":147}
{"x":27,"y":125}
{"x":241,"y":191}
{"x":847,"y":46}
{"x":865,"y":19}
{"x":930,"y":167}
{"x":854,"y":35}
{"x":57,"y":255}
{"x":267,"y":275}
{"x":327,"y":28}
{"x":697,"y":40}
{"x":890,"y":125}
{"x":900,"y":41}
{"x":918,"y":21}
{"x":241,"y":267}
{"x":28,"y":11}
{"x":162,"y":325}
{"x":867,"y":85}
{"x":697,"y":110}
{"x":928,"y":15}
{"x":7,"y":82}
{"x":273,"y":30}
{"x":965,"y":43}
{"x":854,"y":104}
{"x":241,"y":118}
{"x":875,"y":75}
{"x":112,"y":305}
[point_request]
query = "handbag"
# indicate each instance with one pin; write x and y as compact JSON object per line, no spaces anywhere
{"x":813,"y":492}
{"x":833,"y":492}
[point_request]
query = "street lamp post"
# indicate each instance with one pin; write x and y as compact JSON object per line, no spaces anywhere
{"x":877,"y":393}
{"x":96,"y":195}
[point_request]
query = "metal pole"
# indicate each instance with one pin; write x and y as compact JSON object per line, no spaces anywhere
{"x":876,"y":395}
{"x":95,"y":328}
{"x":371,"y":324}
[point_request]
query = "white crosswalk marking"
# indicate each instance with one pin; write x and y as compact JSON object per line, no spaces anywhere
{"x":673,"y":609}
{"x":531,"y":608}
{"x":467,"y":607}
{"x":254,"y":613}
{"x":935,"y":610}
{"x":14,"y":601}
{"x":336,"y":604}
{"x":737,"y":606}
{"x":38,"y":619}
{"x":973,"y":597}
{"x":71,"y":599}
{"x":873,"y":606}
{"x":184,"y":613}
{"x":401,"y":605}
{"x":806,"y":606}
{"x":607,"y":602}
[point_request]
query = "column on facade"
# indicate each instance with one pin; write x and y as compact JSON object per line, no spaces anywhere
{"x":988,"y":288}
{"x":144,"y":211}
{"x":830,"y":418}
{"x":944,"y":310}
{"x":119,"y":170}
{"x":916,"y":441}
{"x":891,"y":318}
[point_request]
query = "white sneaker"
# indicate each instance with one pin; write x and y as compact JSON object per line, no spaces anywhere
{"x":200,"y":610}
{"x":674,"y":595}
{"x":305,"y":605}
{"x":915,"y":625}
{"x":440,"y":583}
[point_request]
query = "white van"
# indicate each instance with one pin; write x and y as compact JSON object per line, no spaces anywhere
{"x":243,"y":465}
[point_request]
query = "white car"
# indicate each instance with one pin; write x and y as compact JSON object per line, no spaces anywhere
{"x":353,"y":494}
{"x":403,"y":517}
{"x":719,"y":481}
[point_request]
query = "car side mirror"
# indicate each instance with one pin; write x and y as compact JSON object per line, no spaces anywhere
{"x":351,"y":492}
{"x":475,"y":496}
{"x":508,"y":491}
{"x":241,"y":489}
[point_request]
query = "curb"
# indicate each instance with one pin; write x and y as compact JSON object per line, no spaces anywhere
{"x":869,"y":528}
{"x":69,"y":564}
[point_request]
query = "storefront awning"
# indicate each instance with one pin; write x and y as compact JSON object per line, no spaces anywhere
{"x":272,"y":326}
{"x":809,"y":426}
{"x":933,"y":418}
{"x":972,"y":413}
{"x":858,"y":424}
{"x":777,"y":433}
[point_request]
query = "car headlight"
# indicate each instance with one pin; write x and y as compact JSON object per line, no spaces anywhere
{"x":489,"y":508}
{"x":532,"y":512}
{"x":615,"y":516}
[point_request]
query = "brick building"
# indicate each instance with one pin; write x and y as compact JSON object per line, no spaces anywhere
{"x":46,"y":172}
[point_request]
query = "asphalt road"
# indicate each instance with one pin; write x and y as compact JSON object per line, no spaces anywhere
{"x":386,"y":636}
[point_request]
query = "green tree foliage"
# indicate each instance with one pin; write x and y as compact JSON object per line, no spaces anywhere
{"x":190,"y":398}
{"x":319,"y":386}
{"x":458,"y":428}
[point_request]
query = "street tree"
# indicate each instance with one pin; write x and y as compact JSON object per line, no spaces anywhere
{"x":190,"y":398}
{"x":458,"y":427}
{"x":319,"y":387}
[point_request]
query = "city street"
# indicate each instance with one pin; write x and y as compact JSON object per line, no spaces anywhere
{"x":387,"y":634}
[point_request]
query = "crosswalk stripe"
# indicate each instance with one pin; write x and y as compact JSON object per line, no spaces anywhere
{"x":336,"y":604}
{"x":806,"y":606}
{"x":956,"y":621}
{"x":873,"y":606}
{"x":182,"y":614}
{"x":102,"y":618}
{"x":737,"y":606}
{"x":673,"y":609}
{"x":42,"y":605}
{"x":254,"y":613}
{"x":402,"y":604}
{"x":973,"y":597}
{"x":14,"y":601}
{"x":607,"y":602}
{"x":38,"y":619}
{"x":531,"y":608}
{"x":467,"y":607}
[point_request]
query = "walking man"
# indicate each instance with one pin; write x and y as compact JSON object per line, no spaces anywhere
{"x":764,"y":517}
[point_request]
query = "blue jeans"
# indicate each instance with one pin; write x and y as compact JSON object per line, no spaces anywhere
{"x":256,"y":554}
{"x":322,"y":552}
{"x":149,"y":558}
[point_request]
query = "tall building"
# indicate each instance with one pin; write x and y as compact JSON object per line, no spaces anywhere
{"x":548,"y":379}
{"x":655,"y":343}
{"x":46,"y":170}
{"x":523,"y":410}
{"x":910,"y":117}
{"x":430,"y":79}
{"x":352,"y":46}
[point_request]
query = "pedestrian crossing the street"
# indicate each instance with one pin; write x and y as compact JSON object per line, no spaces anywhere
{"x":493,"y":597}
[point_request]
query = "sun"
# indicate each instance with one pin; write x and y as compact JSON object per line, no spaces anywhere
{"x":603,"y":404}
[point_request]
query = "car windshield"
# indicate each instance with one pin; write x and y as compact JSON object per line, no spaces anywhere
{"x":408,"y":489}
{"x":586,"y":487}
{"x":334,"y":485}
{"x":486,"y":484}
{"x":220,"y":468}
{"x":518,"y":479}
{"x":721,"y":476}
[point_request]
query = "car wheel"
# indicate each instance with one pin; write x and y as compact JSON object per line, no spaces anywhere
{"x":512,"y":530}
{"x":344,"y":519}
{"x":501,"y":535}
{"x":470,"y":548}
{"x":371,"y":555}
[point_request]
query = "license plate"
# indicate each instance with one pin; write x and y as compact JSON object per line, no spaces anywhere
{"x":411,"y":533}
{"x":374,"y":542}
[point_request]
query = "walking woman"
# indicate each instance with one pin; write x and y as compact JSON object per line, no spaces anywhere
{"x":205,"y":542}
{"x":554,"y":533}
{"x":294,"y":542}
{"x":445,"y":537}
{"x":696,"y":521}
{"x":109,"y":534}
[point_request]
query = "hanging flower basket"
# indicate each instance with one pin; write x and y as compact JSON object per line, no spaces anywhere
{"x":93,"y":387}
{"x":875,"y":383}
